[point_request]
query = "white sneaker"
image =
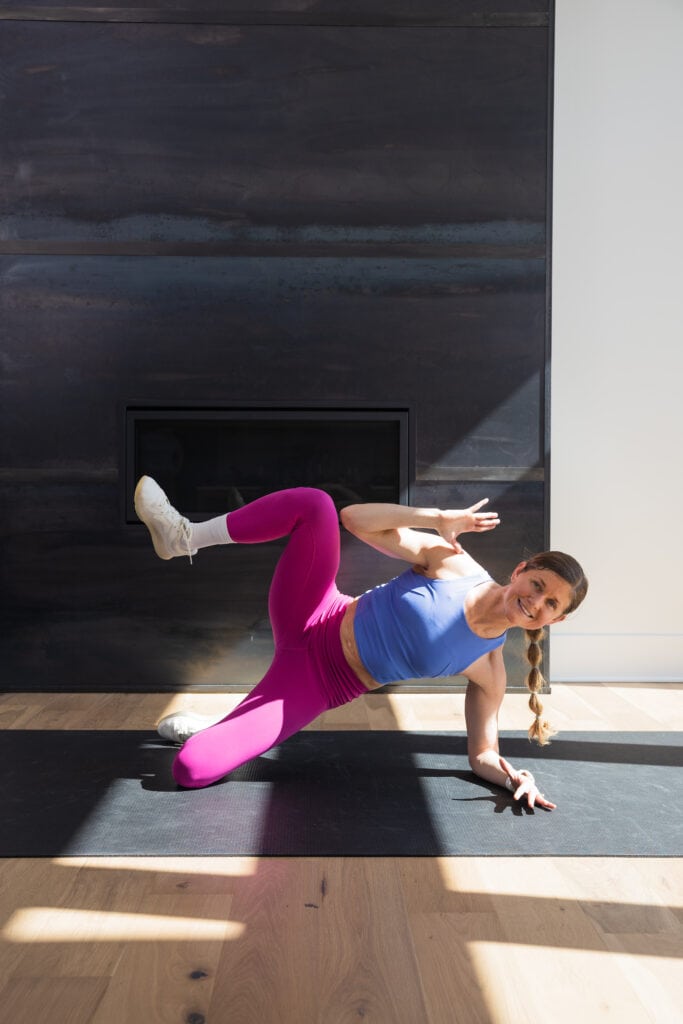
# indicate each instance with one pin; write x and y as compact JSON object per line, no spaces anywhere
{"x":179,"y":726}
{"x":171,"y":532}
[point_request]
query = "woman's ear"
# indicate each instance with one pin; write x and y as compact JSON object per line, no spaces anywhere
{"x":517,"y":570}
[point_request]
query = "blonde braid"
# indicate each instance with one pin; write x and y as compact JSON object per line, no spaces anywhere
{"x":540,"y":730}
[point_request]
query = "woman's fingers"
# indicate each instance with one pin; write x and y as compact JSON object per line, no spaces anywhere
{"x":483,"y":520}
{"x":486,"y":521}
{"x":525,"y":785}
{"x":547,"y":805}
{"x":534,"y":798}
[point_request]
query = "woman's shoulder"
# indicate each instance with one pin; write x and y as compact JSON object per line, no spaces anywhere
{"x":444,"y":566}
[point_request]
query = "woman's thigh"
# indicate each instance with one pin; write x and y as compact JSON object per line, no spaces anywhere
{"x":304,"y":581}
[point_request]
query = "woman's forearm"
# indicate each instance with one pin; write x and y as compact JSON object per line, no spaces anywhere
{"x":376,"y":517}
{"x":487,"y":766}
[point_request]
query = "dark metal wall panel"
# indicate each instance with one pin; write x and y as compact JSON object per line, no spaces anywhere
{"x":267,"y":213}
{"x":165,"y":134}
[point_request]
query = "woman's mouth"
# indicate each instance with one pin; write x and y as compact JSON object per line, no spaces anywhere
{"x":527,"y":614}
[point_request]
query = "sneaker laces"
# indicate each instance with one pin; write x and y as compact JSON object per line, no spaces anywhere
{"x":185,"y":530}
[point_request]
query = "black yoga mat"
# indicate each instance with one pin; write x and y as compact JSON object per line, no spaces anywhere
{"x":340,"y":794}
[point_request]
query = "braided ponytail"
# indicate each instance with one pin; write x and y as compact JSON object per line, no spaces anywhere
{"x":540,"y":730}
{"x":568,"y":569}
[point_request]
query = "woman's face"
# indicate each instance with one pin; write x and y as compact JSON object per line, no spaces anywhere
{"x":536,"y":597}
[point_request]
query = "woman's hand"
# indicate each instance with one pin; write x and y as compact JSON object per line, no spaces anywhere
{"x":523,"y":784}
{"x":467,"y":520}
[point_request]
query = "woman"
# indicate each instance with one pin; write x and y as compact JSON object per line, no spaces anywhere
{"x":443,"y":616}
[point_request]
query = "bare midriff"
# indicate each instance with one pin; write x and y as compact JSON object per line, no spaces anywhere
{"x":348,"y":642}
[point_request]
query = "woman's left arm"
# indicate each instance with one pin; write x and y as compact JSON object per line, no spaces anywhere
{"x":485,"y":692}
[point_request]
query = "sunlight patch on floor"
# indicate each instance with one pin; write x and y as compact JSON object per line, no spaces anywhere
{"x":52,"y":924}
{"x":593,"y":984}
{"x":228,"y":867}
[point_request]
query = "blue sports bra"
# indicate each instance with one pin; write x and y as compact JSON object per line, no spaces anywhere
{"x":414,"y":627}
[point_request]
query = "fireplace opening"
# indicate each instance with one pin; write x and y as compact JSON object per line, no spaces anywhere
{"x":213,"y":460}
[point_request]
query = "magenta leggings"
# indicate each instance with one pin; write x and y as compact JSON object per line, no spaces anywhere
{"x":309,"y":673}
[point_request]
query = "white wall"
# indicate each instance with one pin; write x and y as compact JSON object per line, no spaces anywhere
{"x":617,"y":336}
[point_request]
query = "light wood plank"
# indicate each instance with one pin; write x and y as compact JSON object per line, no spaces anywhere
{"x":57,"y":1000}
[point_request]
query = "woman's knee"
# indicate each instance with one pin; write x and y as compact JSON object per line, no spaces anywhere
{"x":315,"y":503}
{"x":314,"y":496}
{"x":189,"y":771}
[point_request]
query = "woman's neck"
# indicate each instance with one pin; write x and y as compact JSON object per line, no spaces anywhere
{"x":485,"y":610}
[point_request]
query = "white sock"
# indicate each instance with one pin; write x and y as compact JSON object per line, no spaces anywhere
{"x":213,"y":531}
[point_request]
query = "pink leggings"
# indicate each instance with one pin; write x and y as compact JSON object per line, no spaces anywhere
{"x":309,"y":673}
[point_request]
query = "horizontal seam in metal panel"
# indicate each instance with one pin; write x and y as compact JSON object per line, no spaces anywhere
{"x":332,"y":251}
{"x":474,"y":474}
{"x":106,"y":15}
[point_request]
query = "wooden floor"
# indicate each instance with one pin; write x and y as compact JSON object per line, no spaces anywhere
{"x":336,"y":941}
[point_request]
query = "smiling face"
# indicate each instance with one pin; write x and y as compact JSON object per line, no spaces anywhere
{"x":536,"y":597}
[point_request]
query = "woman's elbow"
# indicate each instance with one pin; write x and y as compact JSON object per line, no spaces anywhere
{"x":348,"y":517}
